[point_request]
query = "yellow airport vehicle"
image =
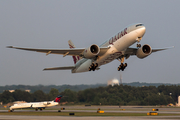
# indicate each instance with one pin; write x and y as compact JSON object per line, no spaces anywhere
{"x":152,"y":113}
{"x":155,"y":109}
{"x":100,"y":111}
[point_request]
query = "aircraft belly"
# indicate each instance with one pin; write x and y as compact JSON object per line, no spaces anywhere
{"x":84,"y":67}
{"x":108,"y":58}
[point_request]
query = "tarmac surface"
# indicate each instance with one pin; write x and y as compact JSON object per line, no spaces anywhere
{"x":13,"y":117}
{"x":170,"y":111}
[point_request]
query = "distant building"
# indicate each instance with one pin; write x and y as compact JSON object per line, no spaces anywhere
{"x":28,"y":91}
{"x":14,"y":91}
{"x":113,"y":82}
{"x":11,"y":91}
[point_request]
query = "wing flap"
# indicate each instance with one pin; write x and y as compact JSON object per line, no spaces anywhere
{"x":61,"y":68}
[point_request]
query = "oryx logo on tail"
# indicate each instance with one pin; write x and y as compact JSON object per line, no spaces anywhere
{"x":75,"y":58}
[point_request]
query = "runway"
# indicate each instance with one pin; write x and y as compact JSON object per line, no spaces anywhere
{"x":164,"y":113}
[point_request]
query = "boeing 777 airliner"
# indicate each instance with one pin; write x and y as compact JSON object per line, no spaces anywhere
{"x":117,"y":47}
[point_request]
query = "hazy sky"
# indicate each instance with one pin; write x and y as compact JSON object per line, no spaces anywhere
{"x":50,"y":24}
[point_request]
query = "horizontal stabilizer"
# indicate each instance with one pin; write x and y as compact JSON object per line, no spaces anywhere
{"x":61,"y":68}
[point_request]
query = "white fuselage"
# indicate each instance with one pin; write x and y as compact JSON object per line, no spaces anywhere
{"x":34,"y":105}
{"x":118,"y":45}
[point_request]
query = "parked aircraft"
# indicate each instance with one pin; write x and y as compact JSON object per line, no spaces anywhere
{"x":36,"y":105}
{"x":117,"y":47}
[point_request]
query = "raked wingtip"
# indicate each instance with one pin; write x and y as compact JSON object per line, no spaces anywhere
{"x":9,"y":46}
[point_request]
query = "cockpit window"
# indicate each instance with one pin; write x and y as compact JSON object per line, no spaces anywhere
{"x":139,"y":25}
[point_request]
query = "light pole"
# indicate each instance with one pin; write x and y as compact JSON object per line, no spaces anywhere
{"x":170,"y":96}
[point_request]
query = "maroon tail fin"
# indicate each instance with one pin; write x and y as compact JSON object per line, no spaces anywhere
{"x":75,"y":58}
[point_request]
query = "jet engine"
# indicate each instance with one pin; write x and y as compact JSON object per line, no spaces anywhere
{"x":91,"y":52}
{"x":46,"y":103}
{"x":144,"y":51}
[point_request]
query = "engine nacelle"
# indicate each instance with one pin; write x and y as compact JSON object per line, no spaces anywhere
{"x":91,"y":52}
{"x":144,"y":51}
{"x":45,"y":103}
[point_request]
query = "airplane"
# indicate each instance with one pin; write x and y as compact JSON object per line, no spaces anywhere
{"x":36,"y":105}
{"x":117,"y":47}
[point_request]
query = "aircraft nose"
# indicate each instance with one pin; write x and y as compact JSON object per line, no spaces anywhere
{"x":142,"y":31}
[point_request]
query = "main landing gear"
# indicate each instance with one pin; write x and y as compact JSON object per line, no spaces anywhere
{"x":93,"y":67}
{"x":122,"y":66}
{"x":10,"y":110}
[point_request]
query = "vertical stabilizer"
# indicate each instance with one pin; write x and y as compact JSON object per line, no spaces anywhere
{"x":58,"y":98}
{"x":75,"y":58}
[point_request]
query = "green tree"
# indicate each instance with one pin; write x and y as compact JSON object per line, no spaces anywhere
{"x":6,"y":97}
{"x":39,"y":96}
{"x":20,"y":95}
{"x":53,"y":93}
{"x":69,"y":96}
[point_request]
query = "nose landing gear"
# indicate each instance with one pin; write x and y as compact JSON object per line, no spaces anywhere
{"x":138,"y":45}
{"x":93,"y":67}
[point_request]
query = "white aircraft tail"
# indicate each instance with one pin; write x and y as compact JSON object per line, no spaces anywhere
{"x":75,"y":58}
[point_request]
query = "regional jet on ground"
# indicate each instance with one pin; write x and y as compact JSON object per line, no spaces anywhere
{"x":117,"y":47}
{"x":36,"y":105}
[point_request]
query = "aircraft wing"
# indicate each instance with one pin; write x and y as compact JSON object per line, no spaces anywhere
{"x":132,"y":51}
{"x":159,"y":49}
{"x":72,"y":52}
